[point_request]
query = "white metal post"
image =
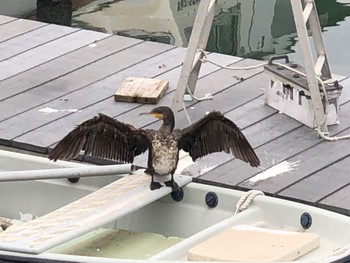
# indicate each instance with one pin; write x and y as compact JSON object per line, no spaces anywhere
{"x":301,"y":16}
{"x":192,"y":63}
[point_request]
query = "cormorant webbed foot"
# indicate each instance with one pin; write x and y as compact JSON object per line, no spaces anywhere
{"x":174,"y":186}
{"x":155,"y":185}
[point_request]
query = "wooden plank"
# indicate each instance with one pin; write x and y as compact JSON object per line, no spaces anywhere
{"x":345,"y":95}
{"x":49,"y":134}
{"x":301,"y":144}
{"x":6,"y":19}
{"x":141,"y":90}
{"x":90,"y":212}
{"x":63,"y":65}
{"x":338,"y":201}
{"x":47,"y":52}
{"x":328,"y":180}
{"x":273,"y":152}
{"x":97,"y":91}
{"x":80,"y":78}
{"x":298,"y":147}
{"x":17,"y":27}
{"x":234,"y":171}
{"x":32,"y":39}
{"x":303,"y":149}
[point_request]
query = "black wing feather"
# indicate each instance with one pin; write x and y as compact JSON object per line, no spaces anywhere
{"x":102,"y":137}
{"x":216,"y":133}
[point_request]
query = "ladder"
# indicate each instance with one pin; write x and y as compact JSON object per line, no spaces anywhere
{"x":304,"y":12}
{"x":198,"y":41}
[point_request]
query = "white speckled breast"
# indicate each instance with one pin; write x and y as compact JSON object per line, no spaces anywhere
{"x":165,"y":154}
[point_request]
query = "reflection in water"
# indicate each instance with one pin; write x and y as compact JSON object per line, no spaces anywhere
{"x":246,"y":28}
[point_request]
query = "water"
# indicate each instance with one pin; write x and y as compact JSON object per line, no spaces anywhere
{"x":246,"y":28}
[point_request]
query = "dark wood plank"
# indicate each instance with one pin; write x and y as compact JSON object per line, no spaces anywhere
{"x":31,"y":39}
{"x":57,"y":129}
{"x":235,"y":171}
{"x":323,"y":182}
{"x":6,"y":19}
{"x":338,"y":201}
{"x":17,"y":27}
{"x":99,"y":91}
{"x":63,"y":65}
{"x":303,"y":148}
{"x":62,"y":69}
{"x":276,"y":150}
{"x":345,"y":96}
{"x":49,"y":51}
{"x":82,"y":77}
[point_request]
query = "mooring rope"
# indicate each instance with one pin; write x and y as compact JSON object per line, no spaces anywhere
{"x":246,"y":200}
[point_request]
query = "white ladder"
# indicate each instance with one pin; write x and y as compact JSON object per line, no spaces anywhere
{"x":302,"y":16}
{"x":198,"y":41}
{"x":305,"y":12}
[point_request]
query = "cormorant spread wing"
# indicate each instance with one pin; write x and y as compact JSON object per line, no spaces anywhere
{"x":216,"y":133}
{"x":102,"y":137}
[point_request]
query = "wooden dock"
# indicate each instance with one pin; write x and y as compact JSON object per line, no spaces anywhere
{"x":53,"y":78}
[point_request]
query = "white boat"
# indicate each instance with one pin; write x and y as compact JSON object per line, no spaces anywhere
{"x":117,"y":218}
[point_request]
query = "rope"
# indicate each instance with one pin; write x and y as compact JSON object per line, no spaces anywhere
{"x":207,"y":96}
{"x":205,"y":59}
{"x":246,"y":199}
{"x":186,"y":112}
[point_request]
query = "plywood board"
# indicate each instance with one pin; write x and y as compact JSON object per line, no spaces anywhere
{"x":244,"y":243}
{"x":141,"y":90}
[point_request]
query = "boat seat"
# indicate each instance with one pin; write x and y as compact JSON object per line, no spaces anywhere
{"x":244,"y":243}
{"x":84,"y":215}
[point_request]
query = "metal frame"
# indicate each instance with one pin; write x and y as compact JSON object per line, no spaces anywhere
{"x":305,"y":12}
{"x":192,"y":63}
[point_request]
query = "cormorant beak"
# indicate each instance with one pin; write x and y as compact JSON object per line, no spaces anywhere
{"x":155,"y":115}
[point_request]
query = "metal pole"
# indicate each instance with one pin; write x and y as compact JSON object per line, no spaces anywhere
{"x":198,"y":40}
{"x":66,"y":172}
{"x":314,"y":89}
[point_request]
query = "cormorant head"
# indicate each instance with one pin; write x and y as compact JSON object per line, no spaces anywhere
{"x":164,"y":113}
{"x":160,"y":113}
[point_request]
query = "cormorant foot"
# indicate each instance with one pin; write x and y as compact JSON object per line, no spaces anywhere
{"x":174,"y":186}
{"x":155,"y":185}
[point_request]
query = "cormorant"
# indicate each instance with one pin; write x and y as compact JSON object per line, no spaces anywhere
{"x":105,"y":137}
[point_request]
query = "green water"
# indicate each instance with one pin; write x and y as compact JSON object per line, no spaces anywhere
{"x":246,"y":28}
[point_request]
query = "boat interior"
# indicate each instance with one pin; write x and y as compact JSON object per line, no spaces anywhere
{"x":194,"y":228}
